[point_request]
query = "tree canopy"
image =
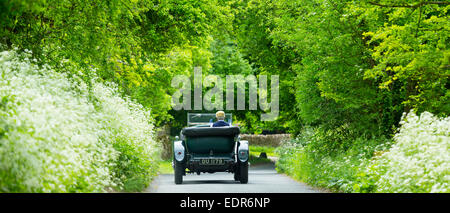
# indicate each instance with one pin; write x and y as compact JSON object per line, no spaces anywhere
{"x":352,"y":64}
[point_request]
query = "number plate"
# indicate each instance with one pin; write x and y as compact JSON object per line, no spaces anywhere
{"x":211,"y":162}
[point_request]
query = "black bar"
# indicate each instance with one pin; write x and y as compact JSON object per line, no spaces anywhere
{"x":229,"y":202}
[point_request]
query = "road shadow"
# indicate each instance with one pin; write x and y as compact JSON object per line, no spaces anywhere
{"x":188,"y":182}
{"x":262,"y":166}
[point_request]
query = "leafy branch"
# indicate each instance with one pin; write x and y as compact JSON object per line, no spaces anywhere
{"x":420,"y":4}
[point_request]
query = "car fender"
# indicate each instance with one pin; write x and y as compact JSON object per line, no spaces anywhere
{"x":178,"y":150}
{"x":243,"y":151}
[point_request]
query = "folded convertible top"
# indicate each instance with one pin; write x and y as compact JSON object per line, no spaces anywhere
{"x":211,"y":131}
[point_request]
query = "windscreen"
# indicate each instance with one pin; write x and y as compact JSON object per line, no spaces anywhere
{"x":195,"y":119}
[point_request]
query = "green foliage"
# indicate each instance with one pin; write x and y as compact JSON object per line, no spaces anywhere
{"x":140,"y":45}
{"x":410,"y":47}
{"x":57,"y":136}
{"x":343,"y":55}
{"x":253,"y":23}
{"x":353,"y":67}
{"x":419,"y":159}
{"x":308,"y":159}
{"x":165,"y":167}
{"x":270,"y":151}
{"x":227,"y":59}
{"x":348,"y":70}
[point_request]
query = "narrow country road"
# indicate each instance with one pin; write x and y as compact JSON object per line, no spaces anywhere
{"x":262,"y":179}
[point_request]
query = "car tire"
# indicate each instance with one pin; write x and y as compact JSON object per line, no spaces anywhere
{"x":243,"y":172}
{"x":236,"y":173}
{"x":178,"y":167}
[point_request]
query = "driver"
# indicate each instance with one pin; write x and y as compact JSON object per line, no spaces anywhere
{"x":220,"y":115}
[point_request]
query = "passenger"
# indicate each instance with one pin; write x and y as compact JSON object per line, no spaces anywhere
{"x":220,"y":115}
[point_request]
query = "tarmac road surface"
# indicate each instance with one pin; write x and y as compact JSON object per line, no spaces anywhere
{"x":262,"y":179}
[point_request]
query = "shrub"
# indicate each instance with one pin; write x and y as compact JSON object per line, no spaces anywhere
{"x":57,"y":134}
{"x":416,"y":160}
{"x":337,"y":170}
{"x":419,"y":161}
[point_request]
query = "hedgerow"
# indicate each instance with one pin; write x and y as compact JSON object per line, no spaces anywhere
{"x":59,"y":134}
{"x":419,"y":161}
{"x":415,"y":160}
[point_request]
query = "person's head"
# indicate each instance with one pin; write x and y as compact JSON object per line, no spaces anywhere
{"x":220,"y":115}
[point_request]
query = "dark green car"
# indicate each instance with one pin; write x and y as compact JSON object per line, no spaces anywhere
{"x":202,"y":148}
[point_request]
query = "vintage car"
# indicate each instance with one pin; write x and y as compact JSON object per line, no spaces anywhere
{"x":201,"y":148}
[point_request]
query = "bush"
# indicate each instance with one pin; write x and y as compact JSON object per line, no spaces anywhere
{"x":419,"y":161}
{"x":338,"y":169}
{"x":57,"y":134}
